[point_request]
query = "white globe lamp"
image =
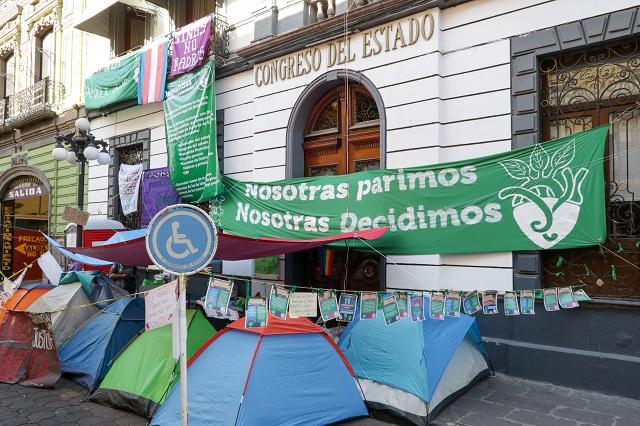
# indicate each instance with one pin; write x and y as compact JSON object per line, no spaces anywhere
{"x":91,"y":152}
{"x":82,"y":124}
{"x":72,"y":158}
{"x":59,"y":153}
{"x":103,"y":157}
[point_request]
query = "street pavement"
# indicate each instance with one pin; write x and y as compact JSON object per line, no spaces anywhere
{"x":497,"y":401}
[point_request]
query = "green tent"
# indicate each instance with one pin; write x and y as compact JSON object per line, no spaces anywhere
{"x":143,"y":373}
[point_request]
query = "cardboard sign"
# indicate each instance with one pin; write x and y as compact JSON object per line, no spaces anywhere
{"x":160,"y":305}
{"x":76,"y":216}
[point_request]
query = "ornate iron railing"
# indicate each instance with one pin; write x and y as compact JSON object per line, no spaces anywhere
{"x":581,"y":90}
{"x":33,"y":102}
{"x":219,"y":45}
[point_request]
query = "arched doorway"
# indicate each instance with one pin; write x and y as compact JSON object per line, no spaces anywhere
{"x":338,"y":129}
{"x":24,"y":215}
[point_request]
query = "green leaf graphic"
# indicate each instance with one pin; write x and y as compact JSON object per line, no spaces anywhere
{"x":515,"y":168}
{"x":539,"y":159}
{"x":564,"y":156}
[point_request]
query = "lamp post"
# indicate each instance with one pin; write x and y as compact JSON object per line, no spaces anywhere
{"x":78,"y":147}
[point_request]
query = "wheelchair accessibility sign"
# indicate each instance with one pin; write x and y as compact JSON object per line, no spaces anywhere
{"x":181,"y":239}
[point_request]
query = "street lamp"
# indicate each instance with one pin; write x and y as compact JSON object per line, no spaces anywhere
{"x":78,"y":147}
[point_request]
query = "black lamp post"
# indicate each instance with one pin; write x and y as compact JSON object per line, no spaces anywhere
{"x":78,"y":147}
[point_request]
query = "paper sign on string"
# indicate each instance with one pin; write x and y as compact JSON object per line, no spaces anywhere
{"x":581,"y":295}
{"x":437,"y":306}
{"x":347,"y":306}
{"x":279,"y":302}
{"x":566,"y":298}
{"x":402,"y":300}
{"x":527,"y":302}
{"x":160,"y":305}
{"x":368,"y":305}
{"x":490,"y":302}
{"x":416,"y":301}
{"x":551,"y":299}
{"x":303,"y":304}
{"x":452,"y":304}
{"x":390,"y":308}
{"x":471,"y":303}
{"x":328,"y":305}
{"x":510,"y":303}
{"x":50,"y":267}
{"x":256,"y":315}
{"x":218,"y":295}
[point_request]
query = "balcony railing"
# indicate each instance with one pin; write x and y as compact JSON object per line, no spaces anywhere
{"x":319,"y":10}
{"x":219,"y":45}
{"x":34,"y":102}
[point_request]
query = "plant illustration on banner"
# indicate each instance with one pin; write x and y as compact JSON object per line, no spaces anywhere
{"x":546,"y":202}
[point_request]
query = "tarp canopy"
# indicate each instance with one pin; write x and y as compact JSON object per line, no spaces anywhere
{"x":289,"y":373}
{"x":73,"y":256}
{"x":23,"y":298}
{"x":414,"y":368}
{"x":87,"y":354}
{"x":131,"y":249}
{"x":70,"y":307}
{"x":142,"y":376}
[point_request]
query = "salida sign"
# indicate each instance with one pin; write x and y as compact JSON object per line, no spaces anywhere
{"x":550,"y":195}
{"x":24,"y":187}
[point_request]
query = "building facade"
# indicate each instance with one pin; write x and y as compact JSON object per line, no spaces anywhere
{"x":308,"y":88}
{"x":43,"y":63}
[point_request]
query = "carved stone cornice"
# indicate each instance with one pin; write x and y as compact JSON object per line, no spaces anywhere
{"x":9,"y":46}
{"x":46,"y":18}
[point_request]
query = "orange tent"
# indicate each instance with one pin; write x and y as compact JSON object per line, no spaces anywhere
{"x":23,"y":298}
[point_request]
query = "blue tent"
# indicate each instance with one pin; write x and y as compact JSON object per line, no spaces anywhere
{"x":288,"y":373}
{"x":88,"y":353}
{"x":414,"y":369}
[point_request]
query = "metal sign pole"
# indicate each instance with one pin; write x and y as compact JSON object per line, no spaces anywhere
{"x":182,"y":301}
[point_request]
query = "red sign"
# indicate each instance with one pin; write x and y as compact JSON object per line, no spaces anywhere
{"x":28,"y":246}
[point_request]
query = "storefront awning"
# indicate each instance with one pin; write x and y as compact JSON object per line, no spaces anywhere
{"x":95,"y":18}
{"x":130,"y":248}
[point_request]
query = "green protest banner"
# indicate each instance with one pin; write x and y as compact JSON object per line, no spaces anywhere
{"x":190,"y":123}
{"x":115,"y":83}
{"x":542,"y":197}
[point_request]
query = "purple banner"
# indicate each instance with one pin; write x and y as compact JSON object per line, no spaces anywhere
{"x":157,"y":193}
{"x":190,"y":46}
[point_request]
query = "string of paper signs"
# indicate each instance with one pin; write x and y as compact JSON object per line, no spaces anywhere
{"x":286,"y":301}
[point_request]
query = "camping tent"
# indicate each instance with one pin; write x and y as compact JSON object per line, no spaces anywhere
{"x":414,"y":369}
{"x":66,"y":300}
{"x":96,"y":286}
{"x":142,"y":375}
{"x":23,"y":298}
{"x":26,"y":342}
{"x":289,"y":372}
{"x":87,"y":354}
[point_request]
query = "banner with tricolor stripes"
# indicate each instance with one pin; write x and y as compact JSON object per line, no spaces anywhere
{"x":153,"y":72}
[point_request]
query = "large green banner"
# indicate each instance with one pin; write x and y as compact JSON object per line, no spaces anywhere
{"x":190,"y":122}
{"x":547,"y":196}
{"x":117,"y":82}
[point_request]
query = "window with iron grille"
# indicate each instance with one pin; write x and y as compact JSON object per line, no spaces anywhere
{"x":581,"y":90}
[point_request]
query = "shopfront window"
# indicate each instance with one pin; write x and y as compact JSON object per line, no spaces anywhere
{"x":580,"y":91}
{"x":342,"y":135}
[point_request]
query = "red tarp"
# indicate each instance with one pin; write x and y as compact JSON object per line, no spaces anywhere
{"x":230,"y":247}
{"x":27,"y":350}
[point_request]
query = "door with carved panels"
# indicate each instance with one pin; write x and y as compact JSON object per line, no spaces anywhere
{"x":580,"y":91}
{"x":342,"y":135}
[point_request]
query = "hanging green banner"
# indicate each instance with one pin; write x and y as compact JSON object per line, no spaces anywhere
{"x":115,"y":83}
{"x":190,"y":123}
{"x":547,"y":196}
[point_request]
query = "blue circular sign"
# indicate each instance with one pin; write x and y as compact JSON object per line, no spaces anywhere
{"x":181,"y":239}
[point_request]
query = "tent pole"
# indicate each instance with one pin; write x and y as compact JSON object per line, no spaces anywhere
{"x":182,"y":302}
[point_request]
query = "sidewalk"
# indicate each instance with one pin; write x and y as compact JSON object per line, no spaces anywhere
{"x":504,"y":400}
{"x":497,"y":401}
